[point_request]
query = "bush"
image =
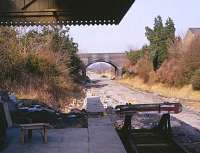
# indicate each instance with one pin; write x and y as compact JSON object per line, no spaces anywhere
{"x":10,"y":58}
{"x":34,"y":64}
{"x":135,"y":56}
{"x":195,"y":80}
{"x":40,"y":72}
{"x":172,"y":73}
{"x":153,"y":77}
{"x":128,"y":74}
{"x":42,"y":64}
{"x":144,"y":67}
{"x":181,"y":64}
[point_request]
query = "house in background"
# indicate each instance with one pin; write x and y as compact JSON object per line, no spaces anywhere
{"x":192,"y":33}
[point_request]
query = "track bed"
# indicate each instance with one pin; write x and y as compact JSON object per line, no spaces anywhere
{"x":148,"y":141}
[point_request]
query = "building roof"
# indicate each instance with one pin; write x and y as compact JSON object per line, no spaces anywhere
{"x":195,"y":31}
{"x":63,"y":12}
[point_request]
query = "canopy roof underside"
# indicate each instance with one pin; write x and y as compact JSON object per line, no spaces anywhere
{"x":63,"y":12}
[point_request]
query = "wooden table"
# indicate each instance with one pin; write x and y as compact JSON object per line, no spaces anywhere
{"x":36,"y":126}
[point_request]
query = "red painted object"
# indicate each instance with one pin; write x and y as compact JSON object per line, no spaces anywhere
{"x":166,"y":107}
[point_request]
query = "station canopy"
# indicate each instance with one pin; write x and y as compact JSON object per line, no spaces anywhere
{"x":62,"y":12}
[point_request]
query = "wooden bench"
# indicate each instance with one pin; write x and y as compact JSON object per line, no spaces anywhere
{"x":36,"y":126}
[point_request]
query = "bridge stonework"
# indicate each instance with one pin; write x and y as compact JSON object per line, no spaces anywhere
{"x":117,"y":60}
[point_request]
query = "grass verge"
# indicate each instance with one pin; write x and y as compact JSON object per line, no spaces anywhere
{"x":186,"y":94}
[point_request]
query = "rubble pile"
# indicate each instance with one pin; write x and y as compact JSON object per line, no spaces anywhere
{"x":38,"y":113}
{"x":24,"y":111}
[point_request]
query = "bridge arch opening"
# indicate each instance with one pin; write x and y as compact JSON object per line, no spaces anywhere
{"x":102,"y":69}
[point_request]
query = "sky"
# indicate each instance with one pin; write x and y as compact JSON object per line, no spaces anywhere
{"x":130,"y":33}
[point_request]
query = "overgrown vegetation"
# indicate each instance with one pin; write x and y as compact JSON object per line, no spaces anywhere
{"x":167,"y":59}
{"x":196,"y":80}
{"x":144,"y":67}
{"x":183,"y":62}
{"x":135,"y":56}
{"x":40,"y":65}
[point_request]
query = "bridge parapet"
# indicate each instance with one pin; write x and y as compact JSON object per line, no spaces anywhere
{"x":117,"y":60}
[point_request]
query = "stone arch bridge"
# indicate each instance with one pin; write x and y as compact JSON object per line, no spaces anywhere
{"x":117,"y":60}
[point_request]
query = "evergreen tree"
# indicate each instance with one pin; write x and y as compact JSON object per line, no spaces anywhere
{"x":160,"y":37}
{"x":170,"y":30}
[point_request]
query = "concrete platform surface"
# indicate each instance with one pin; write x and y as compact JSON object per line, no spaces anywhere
{"x":71,"y":140}
{"x":102,"y":136}
{"x":99,"y":137}
{"x":94,"y":105}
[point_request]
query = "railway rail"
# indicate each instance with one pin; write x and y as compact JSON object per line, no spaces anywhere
{"x":156,"y":140}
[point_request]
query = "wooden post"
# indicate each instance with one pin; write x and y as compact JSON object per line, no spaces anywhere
{"x":45,"y":135}
{"x":22,"y":136}
{"x":30,"y":133}
{"x":165,"y":125}
{"x":127,"y":122}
